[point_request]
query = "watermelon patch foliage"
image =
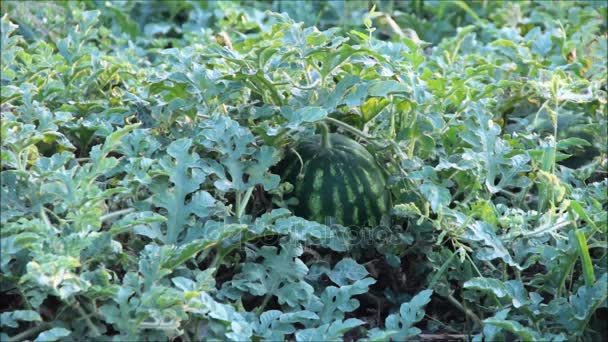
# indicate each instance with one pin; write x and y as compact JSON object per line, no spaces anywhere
{"x":303,"y":170}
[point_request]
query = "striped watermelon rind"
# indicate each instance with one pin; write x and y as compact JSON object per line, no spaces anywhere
{"x":337,"y":181}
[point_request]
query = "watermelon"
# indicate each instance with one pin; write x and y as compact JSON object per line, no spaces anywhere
{"x":336,"y":177}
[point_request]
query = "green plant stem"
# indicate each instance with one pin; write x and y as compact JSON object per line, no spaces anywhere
{"x":546,"y":229}
{"x":588,"y":317}
{"x":242,"y":202}
{"x":564,"y":276}
{"x":30,"y":332}
{"x":352,"y":130}
{"x":325,"y":141}
{"x":237,"y":203}
{"x":586,"y":263}
{"x":392,"y":131}
{"x":221,"y":254}
{"x":466,"y":311}
{"x":46,"y":220}
{"x":195,"y":321}
{"x":441,"y":270}
{"x":216,"y":260}
{"x":492,"y":295}
{"x":264,"y":303}
{"x":86,"y":318}
{"x":26,"y":301}
{"x":114,"y":214}
{"x":59,"y":219}
{"x":444,"y":325}
{"x":555,"y":124}
{"x":299,"y":158}
{"x":186,"y":337}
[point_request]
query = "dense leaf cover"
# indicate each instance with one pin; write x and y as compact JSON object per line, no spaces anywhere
{"x":140,"y":196}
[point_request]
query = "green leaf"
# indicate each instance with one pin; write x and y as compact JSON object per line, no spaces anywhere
{"x":572,"y":141}
{"x":438,"y":196}
{"x":372,"y":107}
{"x":279,"y":274}
{"x":580,"y":211}
{"x":513,"y":290}
{"x":273,"y":326}
{"x":331,"y":59}
{"x":10,"y":319}
{"x":487,"y":284}
{"x":347,"y":271}
{"x":53,"y":335}
{"x":185,"y":178}
{"x":114,"y":139}
{"x":469,"y":11}
{"x":338,"y":300}
{"x":491,"y":332}
{"x":543,"y":44}
{"x":300,"y":229}
{"x":525,"y":333}
{"x":384,"y":88}
{"x":379,"y":335}
{"x":328,"y":332}
{"x":212,"y":237}
{"x":493,"y":246}
{"x":233,"y":142}
{"x":583,"y":252}
{"x":409,"y":314}
{"x":304,"y":115}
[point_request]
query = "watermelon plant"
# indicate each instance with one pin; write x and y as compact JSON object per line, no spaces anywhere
{"x":335,"y":177}
{"x":303,"y":170}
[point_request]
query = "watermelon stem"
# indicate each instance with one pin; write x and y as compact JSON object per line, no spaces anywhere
{"x":325,"y":142}
{"x":293,"y":150}
{"x":353,"y":130}
{"x":242,"y":203}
